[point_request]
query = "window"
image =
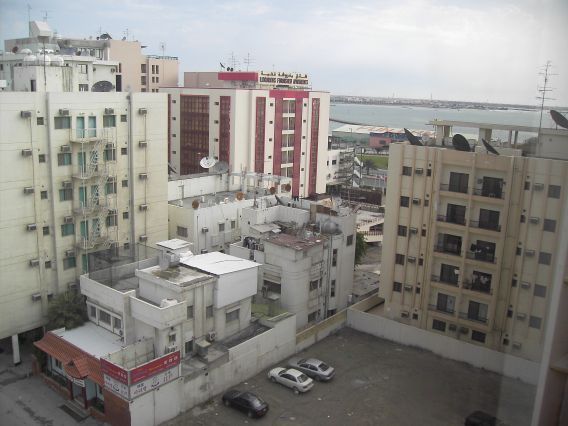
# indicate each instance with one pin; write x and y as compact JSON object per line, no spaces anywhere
{"x":64,"y":159}
{"x":404,"y":201}
{"x":406,"y":171}
{"x":554,"y":191}
{"x":58,"y":364}
{"x":117,"y":322}
{"x":549,"y":225}
{"x":221,"y":227}
{"x":111,"y":219}
{"x":313,"y":285}
{"x":439,"y":325}
{"x":109,"y":120}
{"x":458,"y":182}
{"x":423,"y":232}
{"x":125,"y":183}
{"x":332,"y":291}
{"x":67,"y":229}
{"x":535,"y":322}
{"x":399,"y":259}
{"x":519,"y":251}
{"x":92,"y":311}
{"x":209,"y":311}
{"x":123,"y":151}
{"x":181,"y":231}
{"x":69,"y":262}
{"x":527,"y":185}
{"x":104,"y":317}
{"x":109,"y":154}
{"x":82,"y":68}
{"x":232,"y":316}
{"x":477,"y":336}
{"x":172,"y":338}
{"x":143,"y":68}
{"x":143,"y":80}
{"x":233,"y":224}
{"x":190,"y":312}
{"x":523,"y":218}
{"x":46,"y":230}
{"x":43,"y":195}
{"x":539,"y":290}
{"x":66,"y":194}
{"x":334,"y":258}
{"x":123,"y":118}
{"x":544,"y":258}
{"x":428,"y":172}
{"x":313,"y":316}
{"x":349,"y":240}
{"x":396,"y":286}
{"x":189,"y":346}
{"x":39,"y":121}
{"x":477,"y":311}
{"x":41,"y":158}
{"x":83,"y":87}
{"x":48,"y":265}
{"x":62,"y":123}
{"x":110,"y":188}
{"x":402,"y":231}
{"x":125,"y":215}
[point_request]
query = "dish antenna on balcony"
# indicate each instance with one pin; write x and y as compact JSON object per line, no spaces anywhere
{"x":411,"y":138}
{"x":207,"y":162}
{"x":489,"y":148}
{"x":559,"y":119}
{"x":460,"y":143}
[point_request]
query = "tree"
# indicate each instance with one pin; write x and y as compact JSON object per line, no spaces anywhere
{"x":368,"y":164}
{"x":360,"y":248}
{"x":66,"y":310}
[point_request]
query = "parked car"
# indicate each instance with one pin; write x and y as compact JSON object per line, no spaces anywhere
{"x":312,"y":367}
{"x":291,"y":378}
{"x":481,"y":418}
{"x":247,"y":402}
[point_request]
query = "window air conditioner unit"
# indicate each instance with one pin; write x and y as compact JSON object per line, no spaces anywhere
{"x":534,"y":220}
{"x":404,"y":314}
{"x":525,"y":284}
{"x":36,"y":297}
{"x":143,"y":238}
{"x":25,"y":114}
{"x":64,"y":112}
{"x":142,"y":111}
{"x":26,"y":152}
{"x":464,"y":330}
{"x":109,"y":111}
{"x":414,"y":230}
{"x":411,"y":259}
{"x":65,"y":148}
{"x":34,"y":262}
{"x":204,"y":230}
{"x":418,"y":171}
{"x":67,"y":184}
{"x":407,"y":287}
{"x":452,"y":327}
{"x":68,"y":219}
{"x":143,"y":207}
{"x":70,"y":253}
{"x":72,"y":285}
{"x":143,"y":176}
{"x":143,"y":144}
{"x":521,"y":316}
{"x":538,"y":186}
{"x":529,"y":253}
{"x":28,"y":190}
{"x":211,"y":336}
{"x":203,"y":251}
{"x":416,"y":201}
{"x":171,"y":348}
{"x":31,"y":227}
{"x":517,"y":345}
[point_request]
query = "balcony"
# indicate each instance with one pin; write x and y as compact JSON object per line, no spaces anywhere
{"x":489,"y":193}
{"x":448,"y":249}
{"x":442,"y":280}
{"x":478,"y":286}
{"x":451,"y":219}
{"x":443,"y":309}
{"x":453,"y":188}
{"x":481,"y":256}
{"x":90,"y":208}
{"x":472,"y":317}
{"x":485,"y":225}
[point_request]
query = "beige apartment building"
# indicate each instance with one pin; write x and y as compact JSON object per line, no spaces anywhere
{"x":83,"y":179}
{"x":470,"y":244}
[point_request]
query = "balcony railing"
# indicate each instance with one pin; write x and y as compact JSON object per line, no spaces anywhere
{"x":489,"y":193}
{"x":455,"y":251}
{"x":443,"y":309}
{"x":477,"y":285}
{"x":484,"y":257}
{"x":453,"y":188}
{"x":451,"y":219}
{"x":442,"y":280}
{"x":485,"y":225}
{"x":472,"y":317}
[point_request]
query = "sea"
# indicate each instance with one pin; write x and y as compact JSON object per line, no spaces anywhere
{"x":417,"y":118}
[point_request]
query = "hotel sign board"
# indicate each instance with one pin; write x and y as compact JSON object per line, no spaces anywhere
{"x":286,"y":79}
{"x":132,"y":383}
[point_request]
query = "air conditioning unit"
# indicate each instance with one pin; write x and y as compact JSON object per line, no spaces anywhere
{"x":68,"y":219}
{"x":418,"y":171}
{"x":49,"y":295}
{"x":143,"y":207}
{"x":34,"y":262}
{"x":211,"y":336}
{"x":143,"y":176}
{"x":404,"y":314}
{"x":142,"y":111}
{"x":414,"y":230}
{"x":534,"y":220}
{"x":411,"y":259}
{"x":529,"y":253}
{"x":521,"y":316}
{"x":407,"y":287}
{"x":73,"y":285}
{"x":416,"y":201}
{"x":111,"y":179}
{"x":25,"y":114}
{"x":538,"y":186}
{"x":109,"y":111}
{"x":28,"y":190}
{"x":464,"y":330}
{"x":65,"y":148}
{"x":452,"y":327}
{"x":143,"y":238}
{"x":204,"y":230}
{"x":517,"y":345}
{"x":525,"y":284}
{"x":171,"y":348}
{"x":26,"y":152}
{"x":70,"y":253}
{"x":203,"y":251}
{"x":143,"y":144}
{"x":64,"y":112}
{"x":31,"y":226}
{"x":67,"y":184}
{"x":36,"y":297}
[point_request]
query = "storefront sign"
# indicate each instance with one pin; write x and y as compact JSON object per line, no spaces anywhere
{"x":283,"y":79}
{"x":116,"y":372}
{"x":117,"y":387}
{"x":154,"y":382}
{"x":154,"y":367}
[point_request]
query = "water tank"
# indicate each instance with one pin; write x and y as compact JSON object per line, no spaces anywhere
{"x":26,"y":51}
{"x":30,"y":60}
{"x":330,"y":227}
{"x":41,"y":59}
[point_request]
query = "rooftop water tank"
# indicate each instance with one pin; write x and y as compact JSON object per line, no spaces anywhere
{"x":26,"y":51}
{"x":43,"y":59}
{"x":30,"y":60}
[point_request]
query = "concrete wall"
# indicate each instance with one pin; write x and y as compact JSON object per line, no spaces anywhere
{"x":498,"y":362}
{"x":158,"y":406}
{"x":321,"y":330}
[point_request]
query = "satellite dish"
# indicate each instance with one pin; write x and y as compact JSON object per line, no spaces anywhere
{"x":207,"y":162}
{"x":240,"y":196}
{"x":103,"y":86}
{"x":411,"y":138}
{"x":195,"y":204}
{"x":220,"y":167}
{"x":460,"y":143}
{"x":559,"y":119}
{"x":489,"y":148}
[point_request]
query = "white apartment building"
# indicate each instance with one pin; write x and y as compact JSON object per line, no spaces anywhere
{"x":470,"y":244}
{"x":270,"y":128}
{"x":83,"y":177}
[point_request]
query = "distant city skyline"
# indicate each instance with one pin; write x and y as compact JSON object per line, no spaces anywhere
{"x":445,"y":49}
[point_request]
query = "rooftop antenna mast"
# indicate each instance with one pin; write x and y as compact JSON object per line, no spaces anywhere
{"x":543,"y":90}
{"x":233,"y":61}
{"x":45,"y":12}
{"x":248,"y":60}
{"x":29,"y":20}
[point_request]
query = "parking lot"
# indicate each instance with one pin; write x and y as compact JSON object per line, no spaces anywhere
{"x":378,"y":382}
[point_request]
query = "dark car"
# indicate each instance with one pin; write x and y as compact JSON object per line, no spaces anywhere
{"x":247,"y":402}
{"x":480,"y":418}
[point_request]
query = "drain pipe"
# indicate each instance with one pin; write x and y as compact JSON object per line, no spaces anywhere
{"x":129,"y":147}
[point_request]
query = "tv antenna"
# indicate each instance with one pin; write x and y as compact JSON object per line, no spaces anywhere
{"x":248,"y":60}
{"x":543,"y":90}
{"x":45,"y":13}
{"x":163,"y":48}
{"x":233,"y":62}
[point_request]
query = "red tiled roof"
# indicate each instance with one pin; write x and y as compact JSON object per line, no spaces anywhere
{"x":77,"y":363}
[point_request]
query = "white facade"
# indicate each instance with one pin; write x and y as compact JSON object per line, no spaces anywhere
{"x":81,"y":174}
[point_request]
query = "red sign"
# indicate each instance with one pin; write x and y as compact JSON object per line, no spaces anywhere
{"x":154,"y":367}
{"x":114,"y":371}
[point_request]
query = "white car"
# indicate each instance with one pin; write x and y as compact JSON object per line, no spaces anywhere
{"x":291,"y":378}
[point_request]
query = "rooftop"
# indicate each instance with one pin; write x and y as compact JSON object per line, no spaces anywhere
{"x":217,"y":263}
{"x":92,"y":339}
{"x":494,"y":126}
{"x":295,"y":242}
{"x":180,"y":275}
{"x":174,"y":244}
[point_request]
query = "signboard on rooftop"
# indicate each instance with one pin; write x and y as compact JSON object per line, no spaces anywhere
{"x":283,"y":79}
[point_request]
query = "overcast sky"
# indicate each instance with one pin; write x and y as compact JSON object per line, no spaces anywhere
{"x":476,"y":50}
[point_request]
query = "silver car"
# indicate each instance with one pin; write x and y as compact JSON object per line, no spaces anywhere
{"x":291,"y":378}
{"x":313,"y":367}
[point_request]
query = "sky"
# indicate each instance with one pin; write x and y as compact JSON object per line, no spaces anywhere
{"x":471,"y":50}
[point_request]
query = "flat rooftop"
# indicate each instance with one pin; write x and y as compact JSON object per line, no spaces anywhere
{"x":494,"y":126}
{"x":178,"y":275}
{"x":295,"y":242}
{"x":174,"y":244}
{"x":217,"y":263}
{"x":92,"y":339}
